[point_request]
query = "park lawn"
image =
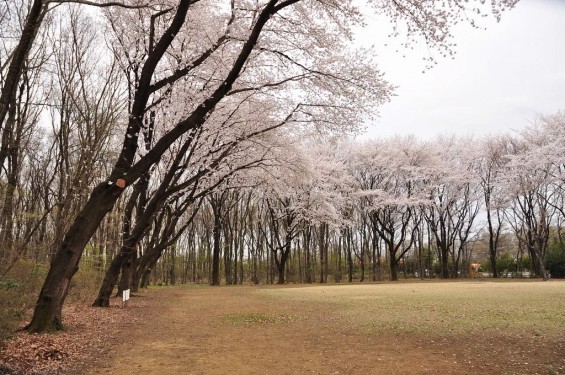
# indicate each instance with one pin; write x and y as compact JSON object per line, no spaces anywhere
{"x":416,"y":327}
{"x":408,"y":327}
{"x":438,"y":309}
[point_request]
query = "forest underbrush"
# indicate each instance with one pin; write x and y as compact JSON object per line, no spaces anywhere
{"x":20,"y":287}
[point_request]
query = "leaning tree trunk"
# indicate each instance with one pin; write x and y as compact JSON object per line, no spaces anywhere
{"x":110,"y":279}
{"x":47,"y":313}
{"x":125,"y":255}
{"x":144,"y":266}
{"x":20,"y":54}
{"x":112,"y":273}
{"x":145,"y":278}
{"x":126,"y":276}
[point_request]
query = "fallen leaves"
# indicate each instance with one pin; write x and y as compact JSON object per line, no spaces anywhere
{"x":88,"y":331}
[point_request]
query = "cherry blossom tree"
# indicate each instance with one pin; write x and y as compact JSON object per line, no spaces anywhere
{"x":454,"y":202}
{"x":533,"y":177}
{"x":392,"y":190}
{"x":207,"y":159}
{"x":491,"y":162}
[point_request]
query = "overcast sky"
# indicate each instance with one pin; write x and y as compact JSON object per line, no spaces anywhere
{"x":500,"y":78}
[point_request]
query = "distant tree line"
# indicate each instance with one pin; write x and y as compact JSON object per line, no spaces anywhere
{"x":385,"y":209}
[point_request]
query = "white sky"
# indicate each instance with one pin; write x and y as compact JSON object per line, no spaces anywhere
{"x":500,"y":79}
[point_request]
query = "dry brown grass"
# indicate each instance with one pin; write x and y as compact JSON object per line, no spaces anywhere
{"x":443,"y":308}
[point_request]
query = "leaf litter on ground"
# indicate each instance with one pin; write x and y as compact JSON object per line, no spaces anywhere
{"x":86,"y":335}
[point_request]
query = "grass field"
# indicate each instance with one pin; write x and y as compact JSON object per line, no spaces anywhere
{"x":443,"y":308}
{"x":436,"y":327}
{"x":409,"y":327}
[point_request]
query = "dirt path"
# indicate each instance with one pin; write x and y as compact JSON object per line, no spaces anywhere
{"x":239,"y":330}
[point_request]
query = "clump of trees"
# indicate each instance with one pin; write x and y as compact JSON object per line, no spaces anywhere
{"x":120,"y":145}
{"x":555,"y":258}
{"x":400,"y":206}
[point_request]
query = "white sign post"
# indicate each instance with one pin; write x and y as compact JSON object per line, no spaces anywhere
{"x":125,"y":297}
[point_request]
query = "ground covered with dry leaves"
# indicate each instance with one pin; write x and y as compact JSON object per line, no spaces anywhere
{"x":401,"y":328}
{"x":89,"y":333}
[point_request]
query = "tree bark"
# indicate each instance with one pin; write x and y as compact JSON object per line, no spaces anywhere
{"x":216,"y":232}
{"x":126,"y":273}
{"x":110,"y":279}
{"x":349,"y":256}
{"x":29,"y":32}
{"x":281,"y":264}
{"x":323,"y":254}
{"x":444,"y":263}
{"x":307,"y":255}
{"x":393,"y":262}
{"x":47,"y":313}
{"x":491,"y":244}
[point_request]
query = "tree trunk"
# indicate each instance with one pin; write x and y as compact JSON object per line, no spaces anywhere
{"x":47,"y":313}
{"x":216,"y":251}
{"x":281,"y":268}
{"x":534,"y":261}
{"x":281,"y":265}
{"x":137,"y":276}
{"x":323,"y":254}
{"x":145,"y":278}
{"x":110,"y":279}
{"x":29,"y":32}
{"x":349,"y":256}
{"x":134,"y":280}
{"x":126,"y":278}
{"x":374,"y":256}
{"x":444,"y":263}
{"x":492,"y":246}
{"x":393,"y":263}
{"x":307,"y":255}
{"x":172,"y":273}
{"x":326,"y":253}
